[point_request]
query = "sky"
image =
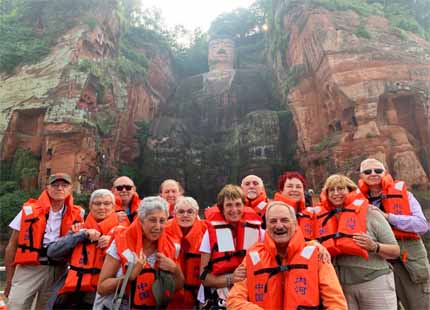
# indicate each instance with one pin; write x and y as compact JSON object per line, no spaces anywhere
{"x":194,"y":13}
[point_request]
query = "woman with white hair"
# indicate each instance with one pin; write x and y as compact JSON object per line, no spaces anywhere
{"x":84,"y":248}
{"x":187,"y":230}
{"x":151,"y":251}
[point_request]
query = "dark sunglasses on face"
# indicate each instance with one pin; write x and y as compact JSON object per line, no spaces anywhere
{"x":376,"y":171}
{"x":121,"y":187}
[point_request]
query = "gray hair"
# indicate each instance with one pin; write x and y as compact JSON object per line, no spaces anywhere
{"x":281,"y":203}
{"x":186,"y":200}
{"x":101,"y":193}
{"x":149,"y":204}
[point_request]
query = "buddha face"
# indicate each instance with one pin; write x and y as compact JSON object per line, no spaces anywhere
{"x":221,"y":54}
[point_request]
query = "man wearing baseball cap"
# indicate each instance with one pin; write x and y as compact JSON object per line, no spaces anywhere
{"x":40,"y":222}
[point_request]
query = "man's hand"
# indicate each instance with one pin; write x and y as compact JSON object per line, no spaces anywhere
{"x":104,"y":241}
{"x":239,"y":274}
{"x":380,"y":211}
{"x":92,"y":234}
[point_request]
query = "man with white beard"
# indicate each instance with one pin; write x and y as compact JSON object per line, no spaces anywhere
{"x":255,"y":194}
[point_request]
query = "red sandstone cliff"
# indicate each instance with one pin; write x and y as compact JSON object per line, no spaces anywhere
{"x":354,"y":96}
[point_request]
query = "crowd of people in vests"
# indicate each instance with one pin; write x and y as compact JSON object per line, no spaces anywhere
{"x":359,"y":247}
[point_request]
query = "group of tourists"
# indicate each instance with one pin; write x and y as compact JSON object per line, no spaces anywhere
{"x":359,"y":247}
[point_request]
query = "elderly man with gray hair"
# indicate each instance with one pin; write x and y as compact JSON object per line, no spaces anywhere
{"x":154,"y":255}
{"x":404,"y":213}
{"x":255,"y":194}
{"x":283,"y":272}
{"x":84,"y":249}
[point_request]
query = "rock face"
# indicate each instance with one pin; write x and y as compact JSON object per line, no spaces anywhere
{"x":218,"y":127}
{"x":70,"y":119}
{"x":354,"y":96}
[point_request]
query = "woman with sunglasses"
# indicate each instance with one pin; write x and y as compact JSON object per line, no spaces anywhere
{"x":187,"y":230}
{"x":404,"y":213}
{"x":84,"y":248}
{"x":361,"y":241}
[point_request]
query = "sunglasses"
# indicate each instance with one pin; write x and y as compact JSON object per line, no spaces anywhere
{"x":126,"y":187}
{"x":376,"y":171}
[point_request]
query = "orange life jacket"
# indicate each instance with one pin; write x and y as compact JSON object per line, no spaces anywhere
{"x":275,"y":285}
{"x":336,"y":232}
{"x":87,"y":259}
{"x":305,"y":217}
{"x":394,"y":200}
{"x":134,"y":205}
{"x":259,"y":204}
{"x":131,"y":241}
{"x":33,"y":223}
{"x":247,"y":232}
{"x":189,"y":259}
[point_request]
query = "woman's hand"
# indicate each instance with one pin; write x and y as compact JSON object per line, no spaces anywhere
{"x":363,"y":240}
{"x":166,"y":263}
{"x":239,"y":273}
{"x":139,"y":263}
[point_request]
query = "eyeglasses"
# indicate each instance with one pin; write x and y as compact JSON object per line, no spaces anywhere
{"x":182,"y":212}
{"x":376,"y":171}
{"x":340,"y":189}
{"x":105,"y":203}
{"x":126,"y":187}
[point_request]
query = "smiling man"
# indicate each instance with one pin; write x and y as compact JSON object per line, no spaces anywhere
{"x":283,"y":273}
{"x":404,"y":213}
{"x":255,"y":194}
{"x":41,"y":222}
{"x":127,"y":200}
{"x":171,"y":190}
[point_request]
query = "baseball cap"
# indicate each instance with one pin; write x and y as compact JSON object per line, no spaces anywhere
{"x":163,"y":287}
{"x":59,"y":176}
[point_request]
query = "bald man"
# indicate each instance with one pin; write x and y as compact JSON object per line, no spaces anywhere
{"x":171,"y":190}
{"x":127,"y":200}
{"x":253,"y":188}
{"x":404,"y":213}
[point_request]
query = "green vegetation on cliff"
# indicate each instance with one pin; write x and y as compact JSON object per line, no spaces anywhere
{"x":408,"y":15}
{"x":28,"y":29}
{"x":14,"y":175}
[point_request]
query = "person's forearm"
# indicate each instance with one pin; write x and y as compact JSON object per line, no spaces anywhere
{"x":10,"y":268}
{"x":61,"y":249}
{"x":108,"y":286}
{"x":216,"y":281}
{"x":410,"y":223}
{"x":416,"y":222}
{"x":9,"y":259}
{"x":179,"y":278}
{"x":388,"y":251}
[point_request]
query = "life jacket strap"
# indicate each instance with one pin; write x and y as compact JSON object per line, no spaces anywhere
{"x":275,"y":270}
{"x":333,"y":212}
{"x":334,"y":236}
{"x":227,"y":256}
